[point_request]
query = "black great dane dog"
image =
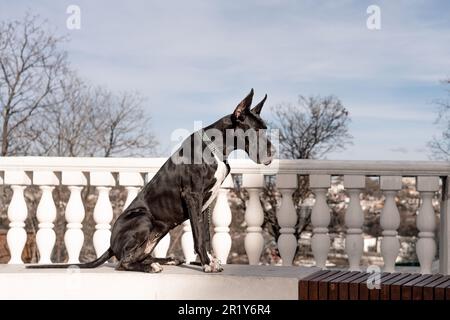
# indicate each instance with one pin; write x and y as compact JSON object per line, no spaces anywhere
{"x":182,"y":189}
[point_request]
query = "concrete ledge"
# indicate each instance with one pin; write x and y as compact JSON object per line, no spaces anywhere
{"x":242,"y":282}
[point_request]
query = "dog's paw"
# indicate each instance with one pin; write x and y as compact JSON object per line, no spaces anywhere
{"x":215,"y":263}
{"x":213,"y":266}
{"x":156,"y":267}
{"x":175,"y":262}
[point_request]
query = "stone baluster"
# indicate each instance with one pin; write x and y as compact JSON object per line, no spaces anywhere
{"x":132,"y":192}
{"x":320,"y":218}
{"x":187,"y":243}
{"x":390,"y":221}
{"x":354,"y":220}
{"x":287,"y":218}
{"x":74,"y":237}
{"x":426,"y":223}
{"x":46,"y":214}
{"x":162,"y":247}
{"x":254,"y":217}
{"x":133,"y":182}
{"x":221,"y":219}
{"x":103,"y":212}
{"x":17,"y":214}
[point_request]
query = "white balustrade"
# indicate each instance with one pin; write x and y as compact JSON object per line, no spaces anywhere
{"x":76,"y":173}
{"x":17,"y":214}
{"x":46,"y":214}
{"x":221,"y":219}
{"x":254,"y":217}
{"x":103,"y":211}
{"x":287,"y":218}
{"x":74,"y":237}
{"x":426,"y":223}
{"x":187,"y":243}
{"x":390,"y":221}
{"x":354,"y":219}
{"x":320,"y":218}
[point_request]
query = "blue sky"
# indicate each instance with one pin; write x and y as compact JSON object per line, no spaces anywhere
{"x":194,"y":60}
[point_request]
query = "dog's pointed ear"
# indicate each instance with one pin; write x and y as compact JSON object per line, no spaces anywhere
{"x":258,"y":107}
{"x":243,"y":106}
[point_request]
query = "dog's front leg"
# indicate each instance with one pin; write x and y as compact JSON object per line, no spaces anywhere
{"x":215,"y":263}
{"x":194,"y":202}
{"x":206,"y":227}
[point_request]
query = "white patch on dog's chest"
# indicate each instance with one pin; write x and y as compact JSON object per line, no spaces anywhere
{"x":220,"y":175}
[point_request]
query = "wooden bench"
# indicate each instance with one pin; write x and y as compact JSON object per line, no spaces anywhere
{"x":353,"y":285}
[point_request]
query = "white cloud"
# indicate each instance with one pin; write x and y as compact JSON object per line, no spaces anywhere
{"x":404,"y":113}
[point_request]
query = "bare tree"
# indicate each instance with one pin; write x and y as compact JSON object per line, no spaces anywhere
{"x":63,"y":129}
{"x":92,"y":121}
{"x":317,"y":126}
{"x":122,"y":127}
{"x":30,"y":68}
{"x":440,"y":145}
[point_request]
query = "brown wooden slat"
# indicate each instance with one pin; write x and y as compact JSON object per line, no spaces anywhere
{"x":428,"y":289}
{"x":364,"y":289}
{"x":313,"y":286}
{"x":396,"y":287}
{"x":323,"y":284}
{"x":407,"y":287}
{"x":447,"y":293}
{"x":385,"y":291}
{"x":353,"y":287}
{"x":345,"y":284}
{"x":417,"y":290}
{"x":439,"y":290}
{"x":303,"y":283}
{"x":333,"y":287}
{"x":374,"y":294}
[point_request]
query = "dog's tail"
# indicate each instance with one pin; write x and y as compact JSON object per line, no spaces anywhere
{"x":92,"y":264}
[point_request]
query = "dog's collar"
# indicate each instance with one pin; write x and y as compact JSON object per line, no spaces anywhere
{"x":211,"y":146}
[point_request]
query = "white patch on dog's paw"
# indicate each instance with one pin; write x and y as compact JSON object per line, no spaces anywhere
{"x":207,"y":268}
{"x":174,"y":262}
{"x":156,"y":267}
{"x":213,"y":266}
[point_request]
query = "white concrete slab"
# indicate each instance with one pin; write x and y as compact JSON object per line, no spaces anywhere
{"x":183,"y":282}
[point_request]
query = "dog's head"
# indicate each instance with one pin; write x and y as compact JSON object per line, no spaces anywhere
{"x":250,"y":130}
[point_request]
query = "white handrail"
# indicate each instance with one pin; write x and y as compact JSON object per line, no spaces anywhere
{"x":335,"y":167}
